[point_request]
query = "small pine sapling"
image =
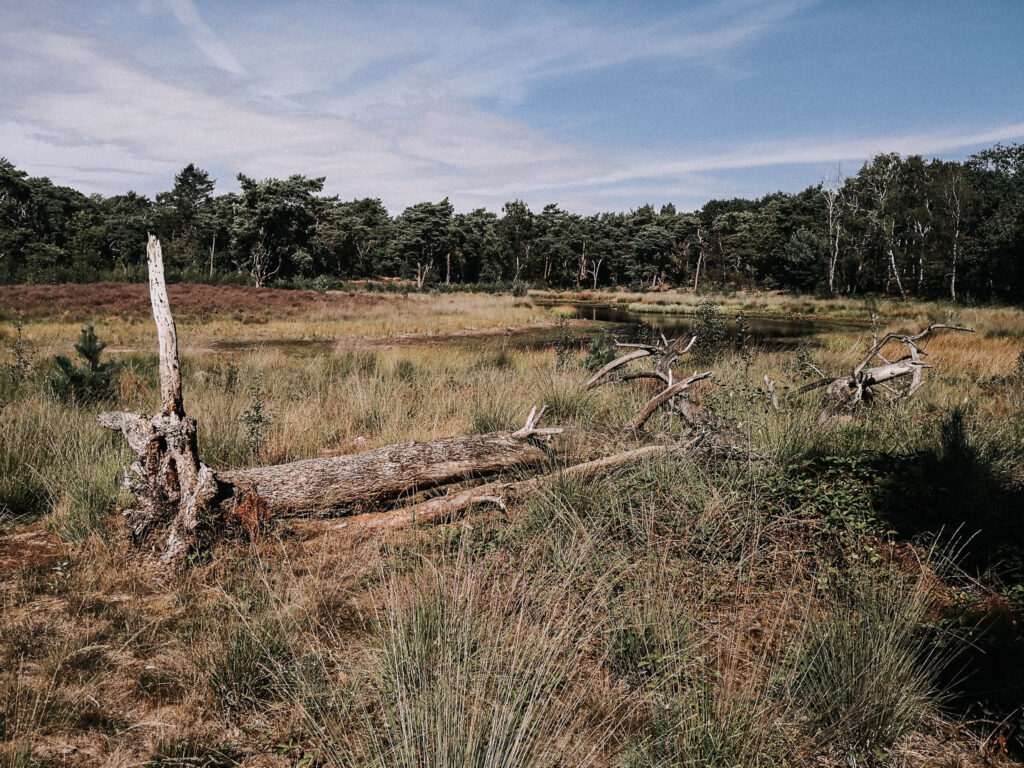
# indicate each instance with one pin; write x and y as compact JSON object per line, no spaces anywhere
{"x":93,"y":382}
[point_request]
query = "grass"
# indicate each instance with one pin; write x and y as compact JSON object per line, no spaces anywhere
{"x":773,"y":606}
{"x":867,"y":672}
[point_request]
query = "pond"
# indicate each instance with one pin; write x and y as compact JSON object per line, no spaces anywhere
{"x":767,"y":332}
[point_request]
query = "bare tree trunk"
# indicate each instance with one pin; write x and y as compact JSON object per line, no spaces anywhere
{"x":595,"y":268}
{"x":700,"y":259}
{"x":174,"y":491}
{"x":832,"y":191}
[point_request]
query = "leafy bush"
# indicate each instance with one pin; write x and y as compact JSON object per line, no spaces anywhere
{"x":256,"y":419}
{"x":600,"y":351}
{"x":19,"y":369}
{"x":711,"y":331}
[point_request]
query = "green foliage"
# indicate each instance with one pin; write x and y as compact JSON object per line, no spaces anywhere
{"x":566,"y":345}
{"x":256,"y":419}
{"x":600,"y":351}
{"x":711,"y":331}
{"x":93,"y":382}
{"x":20,"y":367}
{"x":804,"y":260}
{"x":838,"y":492}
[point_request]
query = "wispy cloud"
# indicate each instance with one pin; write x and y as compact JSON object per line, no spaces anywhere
{"x":406,"y":102}
{"x":204,"y":38}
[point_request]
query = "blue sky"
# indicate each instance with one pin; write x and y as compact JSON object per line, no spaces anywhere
{"x":596,"y":105}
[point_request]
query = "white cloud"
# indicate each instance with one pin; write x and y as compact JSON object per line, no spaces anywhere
{"x":383,"y":109}
{"x":204,"y":38}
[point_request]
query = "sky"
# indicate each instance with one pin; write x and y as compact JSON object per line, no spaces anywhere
{"x":596,"y":106}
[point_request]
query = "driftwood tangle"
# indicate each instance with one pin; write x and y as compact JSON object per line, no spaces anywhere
{"x":842,"y":395}
{"x":676,"y":391}
{"x":181,"y":504}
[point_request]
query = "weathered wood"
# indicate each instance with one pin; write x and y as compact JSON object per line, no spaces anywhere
{"x":499,"y":493}
{"x":843,"y":394}
{"x":618,"y":362}
{"x":663,"y":397}
{"x":360,"y":481}
{"x":167,"y":335}
{"x":667,"y":350}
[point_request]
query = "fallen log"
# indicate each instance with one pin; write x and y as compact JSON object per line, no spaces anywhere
{"x":499,"y":493}
{"x":347,"y":484}
{"x":181,"y":504}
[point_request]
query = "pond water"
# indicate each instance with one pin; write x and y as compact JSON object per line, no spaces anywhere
{"x":769,"y":332}
{"x":624,"y":324}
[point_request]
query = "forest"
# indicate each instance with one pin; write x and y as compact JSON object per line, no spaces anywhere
{"x":904,"y":227}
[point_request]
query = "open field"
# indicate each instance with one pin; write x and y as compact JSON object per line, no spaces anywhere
{"x":847,"y":594}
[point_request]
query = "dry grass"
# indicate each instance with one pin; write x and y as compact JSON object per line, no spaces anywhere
{"x":675,"y":613}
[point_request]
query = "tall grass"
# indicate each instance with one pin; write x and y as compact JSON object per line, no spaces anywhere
{"x":866,"y":672}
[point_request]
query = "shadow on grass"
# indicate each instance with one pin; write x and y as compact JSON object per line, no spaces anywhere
{"x":961,"y":487}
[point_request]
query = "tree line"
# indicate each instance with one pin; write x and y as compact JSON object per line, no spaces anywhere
{"x":902,"y":226}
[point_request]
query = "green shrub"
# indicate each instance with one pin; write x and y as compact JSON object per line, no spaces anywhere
{"x":711,"y":331}
{"x":256,"y":419}
{"x":600,"y":352}
{"x":21,"y":365}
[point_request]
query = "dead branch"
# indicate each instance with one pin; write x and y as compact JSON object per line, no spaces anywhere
{"x":843,"y":394}
{"x":648,"y":409}
{"x":769,"y":386}
{"x":668,"y":350}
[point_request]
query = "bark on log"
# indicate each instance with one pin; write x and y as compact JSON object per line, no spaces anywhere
{"x":360,"y":481}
